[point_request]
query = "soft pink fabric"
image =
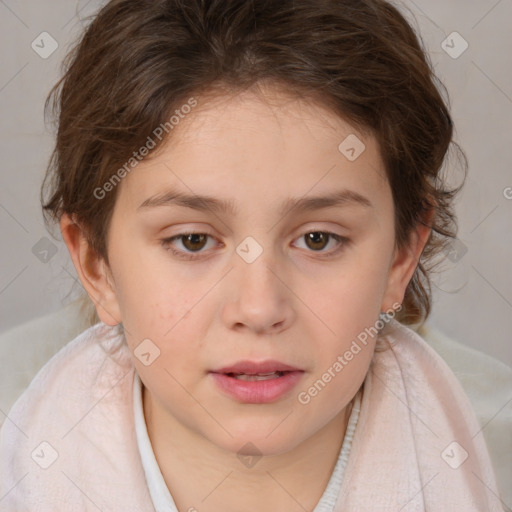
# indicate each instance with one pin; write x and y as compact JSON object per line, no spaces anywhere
{"x":413,"y":408}
{"x":81,"y":403}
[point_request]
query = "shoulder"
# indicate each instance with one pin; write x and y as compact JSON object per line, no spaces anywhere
{"x":83,"y":369}
{"x":82,"y":366}
{"x":63,"y":417}
{"x":434,"y":355}
{"x":404,"y":360}
{"x":27,"y":347}
{"x":479,"y":373}
{"x":412,"y":371}
{"x":401,"y":347}
{"x":415,"y":411}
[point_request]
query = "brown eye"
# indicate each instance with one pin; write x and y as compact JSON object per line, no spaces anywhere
{"x":194,"y":241}
{"x":317,"y":240}
{"x":324,"y":243}
{"x":192,"y":245}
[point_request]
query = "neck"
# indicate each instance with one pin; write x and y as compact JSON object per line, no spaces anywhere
{"x":201,"y":475}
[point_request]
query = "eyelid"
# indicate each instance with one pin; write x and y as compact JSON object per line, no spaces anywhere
{"x":167,"y":243}
{"x":342,"y":241}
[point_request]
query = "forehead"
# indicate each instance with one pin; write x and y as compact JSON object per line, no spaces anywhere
{"x":260,"y":142}
{"x":266,"y":114}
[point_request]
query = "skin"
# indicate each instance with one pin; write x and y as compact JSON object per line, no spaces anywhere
{"x":290,"y":304}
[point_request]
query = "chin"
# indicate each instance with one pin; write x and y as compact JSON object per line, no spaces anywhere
{"x":256,"y":443}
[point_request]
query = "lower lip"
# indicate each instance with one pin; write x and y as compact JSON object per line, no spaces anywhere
{"x":257,"y":391}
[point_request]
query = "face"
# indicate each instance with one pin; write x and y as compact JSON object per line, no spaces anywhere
{"x":273,"y":275}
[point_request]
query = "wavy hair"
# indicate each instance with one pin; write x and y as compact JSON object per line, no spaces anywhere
{"x":139,"y":60}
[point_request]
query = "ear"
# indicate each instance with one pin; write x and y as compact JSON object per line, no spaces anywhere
{"x":404,"y":263}
{"x":93,"y":272}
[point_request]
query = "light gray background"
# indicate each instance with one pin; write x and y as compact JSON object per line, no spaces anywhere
{"x":472,"y":297}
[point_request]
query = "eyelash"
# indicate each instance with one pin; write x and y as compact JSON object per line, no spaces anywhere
{"x":166,"y":243}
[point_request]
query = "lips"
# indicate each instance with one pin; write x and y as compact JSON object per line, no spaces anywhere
{"x":257,"y":382}
{"x":257,"y":368}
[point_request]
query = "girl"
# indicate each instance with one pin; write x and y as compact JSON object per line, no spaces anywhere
{"x":251,"y":195}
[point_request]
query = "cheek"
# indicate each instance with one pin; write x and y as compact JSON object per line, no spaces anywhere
{"x":349,"y":308}
{"x":344,"y":350}
{"x":353,"y":297}
{"x":174,"y":348}
{"x":335,"y":382}
{"x":150,"y":293}
{"x":158,"y":303}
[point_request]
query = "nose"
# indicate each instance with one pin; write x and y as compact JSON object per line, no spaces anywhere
{"x":260,"y":300}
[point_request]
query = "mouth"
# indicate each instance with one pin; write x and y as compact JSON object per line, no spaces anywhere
{"x":262,"y":368}
{"x":253,"y":382}
{"x":257,"y":376}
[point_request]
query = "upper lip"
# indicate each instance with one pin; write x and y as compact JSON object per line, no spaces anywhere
{"x":255,"y":367}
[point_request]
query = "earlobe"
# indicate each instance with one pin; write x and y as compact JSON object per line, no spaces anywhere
{"x":92,"y":271}
{"x":404,"y":265}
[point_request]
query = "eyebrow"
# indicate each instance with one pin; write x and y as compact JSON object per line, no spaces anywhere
{"x":291,"y":205}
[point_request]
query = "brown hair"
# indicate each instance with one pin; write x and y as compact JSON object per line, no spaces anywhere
{"x":139,"y":60}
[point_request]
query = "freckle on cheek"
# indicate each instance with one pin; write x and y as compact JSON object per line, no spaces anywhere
{"x":166,"y":316}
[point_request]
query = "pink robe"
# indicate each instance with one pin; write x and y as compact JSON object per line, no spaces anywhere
{"x":69,"y":442}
